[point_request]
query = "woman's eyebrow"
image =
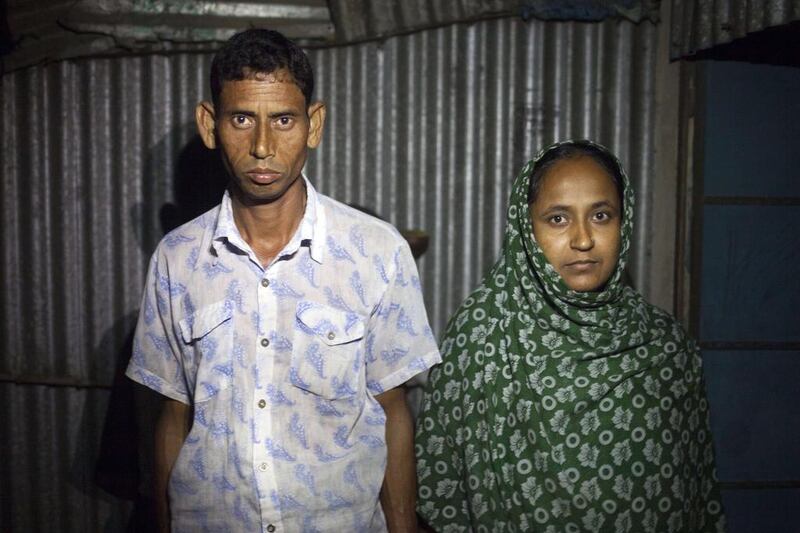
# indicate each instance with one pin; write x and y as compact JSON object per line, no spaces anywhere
{"x":556,"y":207}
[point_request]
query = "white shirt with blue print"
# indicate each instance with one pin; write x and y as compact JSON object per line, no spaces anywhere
{"x":282,"y":366}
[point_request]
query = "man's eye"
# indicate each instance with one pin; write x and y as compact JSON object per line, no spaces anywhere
{"x":241,"y":121}
{"x":284,"y":122}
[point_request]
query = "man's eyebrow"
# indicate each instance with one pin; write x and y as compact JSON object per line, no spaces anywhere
{"x":287,"y":113}
{"x":274,"y":114}
{"x":241,"y":112}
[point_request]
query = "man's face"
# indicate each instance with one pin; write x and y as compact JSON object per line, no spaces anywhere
{"x":576,"y":220}
{"x":264,"y":130}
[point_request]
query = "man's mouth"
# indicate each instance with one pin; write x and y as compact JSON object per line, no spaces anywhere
{"x":264,"y":176}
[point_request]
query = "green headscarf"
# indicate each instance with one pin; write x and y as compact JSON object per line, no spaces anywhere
{"x":561,"y":411}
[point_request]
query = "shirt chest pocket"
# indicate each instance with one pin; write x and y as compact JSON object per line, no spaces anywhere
{"x":208,"y":337}
{"x":328,"y":354}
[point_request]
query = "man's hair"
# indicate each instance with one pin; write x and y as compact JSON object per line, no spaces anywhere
{"x":575,"y":150}
{"x":260,"y":50}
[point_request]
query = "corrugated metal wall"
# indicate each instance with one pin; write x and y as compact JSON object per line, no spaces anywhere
{"x":427,"y":129}
{"x":701,"y":24}
{"x":365,"y":19}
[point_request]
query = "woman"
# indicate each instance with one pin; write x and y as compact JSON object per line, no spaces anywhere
{"x":564,"y":401}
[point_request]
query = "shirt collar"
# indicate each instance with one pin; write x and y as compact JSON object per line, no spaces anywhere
{"x":311,"y":232}
{"x":314,"y":219}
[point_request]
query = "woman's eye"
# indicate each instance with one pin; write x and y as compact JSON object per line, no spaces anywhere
{"x":602,"y":216}
{"x":557,"y":219}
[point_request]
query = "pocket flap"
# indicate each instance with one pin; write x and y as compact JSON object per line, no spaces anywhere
{"x":204,"y":320}
{"x":332,"y":326}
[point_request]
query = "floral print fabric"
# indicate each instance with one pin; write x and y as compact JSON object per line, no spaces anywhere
{"x":282,"y":366}
{"x":557,"y":411}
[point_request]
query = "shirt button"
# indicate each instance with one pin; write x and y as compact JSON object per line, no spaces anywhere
{"x":262,"y":404}
{"x":331,"y":335}
{"x":265,"y":282}
{"x":263,"y":467}
{"x":270,"y":528}
{"x":264,"y":342}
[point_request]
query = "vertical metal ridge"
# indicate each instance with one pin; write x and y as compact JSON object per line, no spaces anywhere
{"x":10,"y":297}
{"x":411,"y":160}
{"x":642,"y":152}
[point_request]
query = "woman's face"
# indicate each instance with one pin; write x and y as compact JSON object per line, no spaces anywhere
{"x":576,"y":220}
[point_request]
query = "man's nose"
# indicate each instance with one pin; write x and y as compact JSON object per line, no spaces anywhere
{"x":581,"y":238}
{"x":262,"y":142}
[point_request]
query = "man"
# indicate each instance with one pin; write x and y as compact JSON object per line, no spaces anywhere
{"x":279,"y":327}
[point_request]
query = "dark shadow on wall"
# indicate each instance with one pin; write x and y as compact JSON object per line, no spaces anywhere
{"x":199,"y":183}
{"x":124,"y":458}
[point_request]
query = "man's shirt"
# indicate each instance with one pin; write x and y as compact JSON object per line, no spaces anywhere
{"x":282,"y":366}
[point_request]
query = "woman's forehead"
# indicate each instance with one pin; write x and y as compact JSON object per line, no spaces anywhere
{"x":576,"y":178}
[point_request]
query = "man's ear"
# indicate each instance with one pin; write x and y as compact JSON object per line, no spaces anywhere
{"x":316,"y":119}
{"x":204,"y":115}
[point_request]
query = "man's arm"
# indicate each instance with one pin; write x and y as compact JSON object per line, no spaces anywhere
{"x":399,"y":491}
{"x":171,"y":430}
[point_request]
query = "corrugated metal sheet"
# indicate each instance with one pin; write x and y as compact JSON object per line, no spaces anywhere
{"x":50,"y":441}
{"x":368,"y":19}
{"x":61,"y":29}
{"x":427,"y":129}
{"x":358,"y":20}
{"x":701,"y":24}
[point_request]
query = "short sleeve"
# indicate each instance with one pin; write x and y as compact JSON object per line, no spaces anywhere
{"x":156,"y":360}
{"x":399,"y":340}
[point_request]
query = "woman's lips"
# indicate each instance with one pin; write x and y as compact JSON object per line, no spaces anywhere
{"x":581,"y":266}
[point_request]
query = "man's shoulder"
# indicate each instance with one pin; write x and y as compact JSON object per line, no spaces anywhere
{"x":188,"y":236}
{"x":350,"y":223}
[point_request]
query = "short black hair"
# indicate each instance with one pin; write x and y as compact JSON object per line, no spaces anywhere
{"x":575,"y":150}
{"x":260,"y":50}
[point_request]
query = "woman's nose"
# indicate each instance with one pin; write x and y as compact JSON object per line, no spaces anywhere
{"x":581,"y":238}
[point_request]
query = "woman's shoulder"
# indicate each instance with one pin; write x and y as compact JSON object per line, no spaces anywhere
{"x":672,"y":328}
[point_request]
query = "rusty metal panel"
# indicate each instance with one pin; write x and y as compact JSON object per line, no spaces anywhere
{"x":698,"y":25}
{"x":428,"y":129}
{"x":358,"y":20}
{"x":368,"y":19}
{"x":61,"y":29}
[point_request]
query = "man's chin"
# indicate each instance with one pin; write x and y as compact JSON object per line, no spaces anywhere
{"x":260,"y":194}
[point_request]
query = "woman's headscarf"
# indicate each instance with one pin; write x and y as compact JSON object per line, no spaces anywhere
{"x":562,"y":411}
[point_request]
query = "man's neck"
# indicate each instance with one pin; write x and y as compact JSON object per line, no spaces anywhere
{"x":268,"y":227}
